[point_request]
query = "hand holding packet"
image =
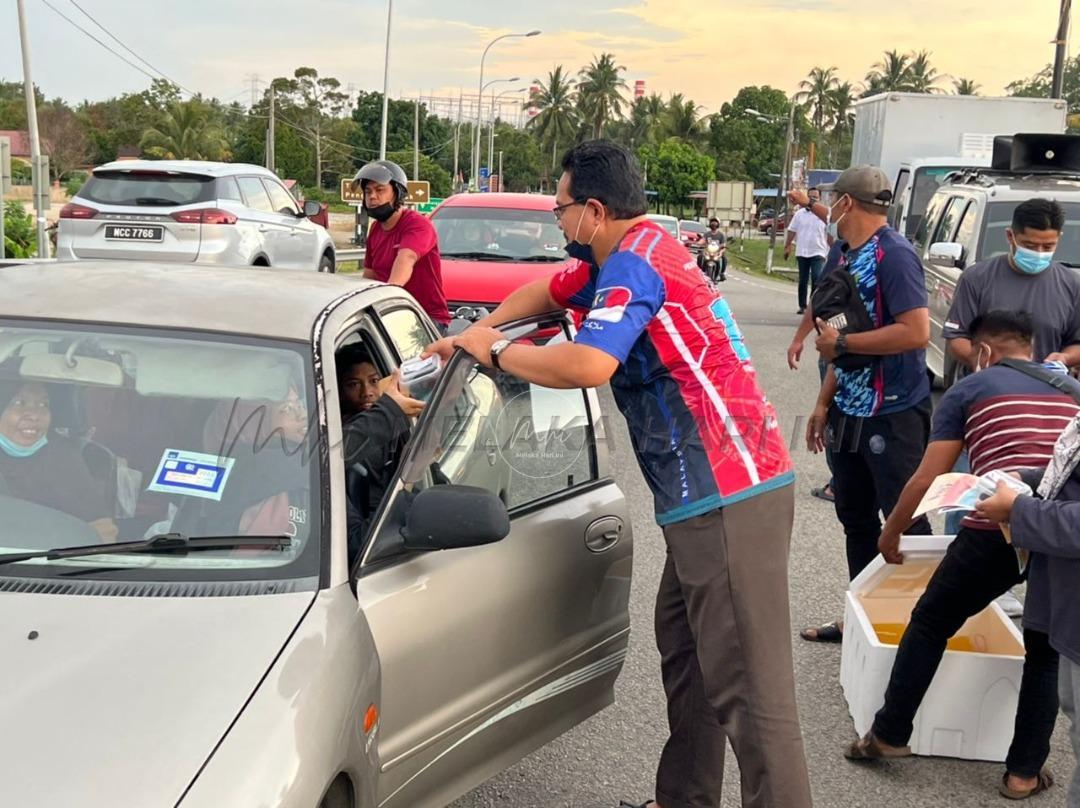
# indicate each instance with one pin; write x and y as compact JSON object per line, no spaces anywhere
{"x":420,"y":375}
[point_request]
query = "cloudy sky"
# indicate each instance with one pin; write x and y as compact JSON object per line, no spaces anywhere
{"x":706,"y":49}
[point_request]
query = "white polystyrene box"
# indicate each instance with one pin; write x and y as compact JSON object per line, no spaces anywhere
{"x":970,"y":707}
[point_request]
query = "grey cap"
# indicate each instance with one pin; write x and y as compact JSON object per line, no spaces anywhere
{"x":866,"y":183}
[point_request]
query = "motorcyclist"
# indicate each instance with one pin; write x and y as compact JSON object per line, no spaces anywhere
{"x":714,"y":235}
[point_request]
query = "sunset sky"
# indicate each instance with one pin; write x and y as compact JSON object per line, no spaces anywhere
{"x":706,"y":49}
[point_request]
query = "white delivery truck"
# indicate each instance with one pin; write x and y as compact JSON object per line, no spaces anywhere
{"x":918,"y":139}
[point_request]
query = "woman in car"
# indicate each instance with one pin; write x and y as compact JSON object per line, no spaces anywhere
{"x":39,"y":465}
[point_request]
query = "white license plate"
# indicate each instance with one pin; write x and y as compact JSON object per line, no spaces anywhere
{"x":134,"y":232}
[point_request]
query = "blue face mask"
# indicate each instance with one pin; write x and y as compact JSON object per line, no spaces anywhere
{"x":1032,"y":262}
{"x":14,"y":450}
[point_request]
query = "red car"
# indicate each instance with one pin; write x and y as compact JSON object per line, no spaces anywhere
{"x":493,"y":243}
{"x":691,"y":233}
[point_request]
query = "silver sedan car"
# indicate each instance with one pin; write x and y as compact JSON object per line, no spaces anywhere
{"x":188,"y":211}
{"x":192,"y":616}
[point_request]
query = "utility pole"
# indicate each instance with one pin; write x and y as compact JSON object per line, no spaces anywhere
{"x":271,"y":156}
{"x":41,"y":183}
{"x":386,"y":80}
{"x":1061,"y":42}
{"x":416,"y":141}
{"x":780,"y":197}
{"x":502,"y":181}
{"x":457,"y":144}
{"x":254,"y":79}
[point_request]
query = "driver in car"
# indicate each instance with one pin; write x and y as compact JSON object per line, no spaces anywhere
{"x":41,"y":466}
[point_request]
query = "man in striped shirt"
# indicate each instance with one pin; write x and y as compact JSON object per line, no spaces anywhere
{"x":1006,"y":420}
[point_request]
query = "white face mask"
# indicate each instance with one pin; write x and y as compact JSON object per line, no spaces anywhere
{"x":979,"y":358}
{"x":834,"y":227}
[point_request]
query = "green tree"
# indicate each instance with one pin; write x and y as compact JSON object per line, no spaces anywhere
{"x":923,"y":76}
{"x":431,"y":171}
{"x":317,"y":98}
{"x":680,"y":119}
{"x":435,"y":133}
{"x":816,"y":91}
{"x":843,"y":97}
{"x":185,"y":132}
{"x":674,"y":170}
{"x":20,"y":238}
{"x":556,"y":119}
{"x":522,"y":162}
{"x":63,"y":138}
{"x":747,"y":148}
{"x":13,"y":104}
{"x":965,"y":87}
{"x":600,"y":93}
{"x":891,"y":75}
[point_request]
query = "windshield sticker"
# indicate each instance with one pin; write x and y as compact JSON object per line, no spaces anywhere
{"x":192,"y":474}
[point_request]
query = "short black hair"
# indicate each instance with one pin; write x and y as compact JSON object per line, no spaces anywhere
{"x":350,"y":356}
{"x":1038,"y":214}
{"x":1003,"y":323}
{"x":608,"y":173}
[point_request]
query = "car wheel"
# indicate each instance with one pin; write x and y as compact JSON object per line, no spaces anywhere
{"x":326,"y":264}
{"x":339,"y":795}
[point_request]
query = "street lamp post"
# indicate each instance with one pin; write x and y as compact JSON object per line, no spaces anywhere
{"x":386,"y":81}
{"x":479,"y":104}
{"x":491,"y":135}
{"x":480,"y":125}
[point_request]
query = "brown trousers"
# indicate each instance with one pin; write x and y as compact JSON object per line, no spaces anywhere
{"x":724,"y":633}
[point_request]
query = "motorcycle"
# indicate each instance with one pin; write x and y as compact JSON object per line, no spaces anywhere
{"x":711,"y":261}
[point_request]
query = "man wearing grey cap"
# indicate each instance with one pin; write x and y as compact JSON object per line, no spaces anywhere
{"x":874,"y":417}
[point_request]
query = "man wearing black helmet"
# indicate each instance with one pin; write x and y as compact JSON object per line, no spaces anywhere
{"x":714,"y":234}
{"x":402,"y":247}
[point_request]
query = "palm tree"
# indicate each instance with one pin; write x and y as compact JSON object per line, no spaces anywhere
{"x":841,"y":100}
{"x":184,"y":133}
{"x":816,"y":91}
{"x":557,"y":117}
{"x":600,"y":92}
{"x":892,"y":74}
{"x":681,"y":119}
{"x":923,"y":76}
{"x":966,"y":87}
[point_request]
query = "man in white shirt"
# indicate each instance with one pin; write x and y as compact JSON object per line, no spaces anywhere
{"x":811,"y":246}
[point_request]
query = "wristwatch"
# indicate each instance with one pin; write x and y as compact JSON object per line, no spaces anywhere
{"x":497,"y":348}
{"x":841,"y":345}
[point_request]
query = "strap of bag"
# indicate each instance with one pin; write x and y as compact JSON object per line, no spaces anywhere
{"x":1052,"y":378}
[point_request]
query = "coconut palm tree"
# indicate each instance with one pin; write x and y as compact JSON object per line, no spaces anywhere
{"x":892,"y":74}
{"x":184,"y":133}
{"x":557,"y":118}
{"x":600,"y":89}
{"x":965,"y":87}
{"x":680,"y":119}
{"x":922,"y":75}
{"x":816,"y":92}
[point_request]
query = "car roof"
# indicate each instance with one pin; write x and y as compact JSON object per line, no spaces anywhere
{"x":255,"y":301}
{"x":657,"y":217}
{"x":1010,"y":187}
{"x":501,"y":200}
{"x":205,"y":167}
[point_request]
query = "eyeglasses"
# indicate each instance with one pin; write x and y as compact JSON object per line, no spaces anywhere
{"x":559,"y":210}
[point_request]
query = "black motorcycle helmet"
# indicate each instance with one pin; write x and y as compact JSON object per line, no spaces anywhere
{"x":387,"y":173}
{"x":713,"y":221}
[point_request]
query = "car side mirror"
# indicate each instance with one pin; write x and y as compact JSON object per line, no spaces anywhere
{"x":947,"y":253}
{"x":312,"y":208}
{"x":447,"y":517}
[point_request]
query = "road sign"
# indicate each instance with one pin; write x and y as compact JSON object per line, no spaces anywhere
{"x":429,"y":206}
{"x":348,"y":194}
{"x":419,"y":192}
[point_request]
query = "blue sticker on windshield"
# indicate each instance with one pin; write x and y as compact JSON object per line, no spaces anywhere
{"x":192,"y":474}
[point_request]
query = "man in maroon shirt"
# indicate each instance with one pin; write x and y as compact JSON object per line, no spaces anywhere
{"x":402,"y":247}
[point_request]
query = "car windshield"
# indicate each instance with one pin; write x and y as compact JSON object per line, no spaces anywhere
{"x":693,"y":227}
{"x":669,"y":224}
{"x":121,"y":435}
{"x":146,"y":188}
{"x":999,"y":217}
{"x":502,"y":233}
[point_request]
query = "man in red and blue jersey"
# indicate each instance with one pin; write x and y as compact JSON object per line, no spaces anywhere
{"x":708,"y":443}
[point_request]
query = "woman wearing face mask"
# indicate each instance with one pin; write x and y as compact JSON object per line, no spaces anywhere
{"x":402,"y":247}
{"x":39,"y":465}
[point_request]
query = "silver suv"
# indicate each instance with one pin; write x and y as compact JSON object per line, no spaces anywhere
{"x":188,"y":211}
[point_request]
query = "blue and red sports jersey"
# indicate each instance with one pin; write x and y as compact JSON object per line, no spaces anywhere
{"x":703,"y":432}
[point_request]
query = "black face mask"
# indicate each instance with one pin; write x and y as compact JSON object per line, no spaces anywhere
{"x":381,"y":213}
{"x":582,"y":252}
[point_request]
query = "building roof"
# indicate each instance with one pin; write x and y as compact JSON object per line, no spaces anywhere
{"x":20,"y":142}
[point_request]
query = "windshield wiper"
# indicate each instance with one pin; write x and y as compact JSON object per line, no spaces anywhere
{"x":163,"y":543}
{"x":475,"y":256}
{"x":536,"y":259}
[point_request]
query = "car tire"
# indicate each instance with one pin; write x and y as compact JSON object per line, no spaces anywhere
{"x":326,"y":264}
{"x":339,"y":795}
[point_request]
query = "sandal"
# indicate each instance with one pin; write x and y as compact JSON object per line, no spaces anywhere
{"x":824,"y":492}
{"x":869,"y":747}
{"x":830,"y":632}
{"x":1045,"y":781}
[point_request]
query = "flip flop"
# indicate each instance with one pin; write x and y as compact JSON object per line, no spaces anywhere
{"x":830,"y":632}
{"x":1045,"y":781}
{"x":824,"y":492}
{"x":869,"y":747}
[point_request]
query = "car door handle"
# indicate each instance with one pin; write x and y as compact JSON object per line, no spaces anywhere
{"x":263,"y":228}
{"x":603,"y":534}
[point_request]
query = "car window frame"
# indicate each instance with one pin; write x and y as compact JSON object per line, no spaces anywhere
{"x":930,"y":222}
{"x":970,"y":214}
{"x":271,"y":185}
{"x":247,"y":202}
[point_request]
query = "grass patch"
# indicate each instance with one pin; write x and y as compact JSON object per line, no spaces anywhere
{"x":750,"y":255}
{"x":347,"y":267}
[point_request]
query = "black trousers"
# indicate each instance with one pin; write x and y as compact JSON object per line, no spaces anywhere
{"x":810,"y":268}
{"x":872,"y":460}
{"x":978,"y":567}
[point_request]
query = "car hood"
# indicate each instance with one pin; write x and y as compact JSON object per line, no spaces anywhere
{"x":491,"y":281}
{"x":120,"y":700}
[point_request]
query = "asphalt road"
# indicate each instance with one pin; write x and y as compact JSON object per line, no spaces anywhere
{"x":613,"y":756}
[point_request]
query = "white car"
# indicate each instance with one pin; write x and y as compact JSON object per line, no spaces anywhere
{"x":669,"y":223}
{"x":183,"y":211}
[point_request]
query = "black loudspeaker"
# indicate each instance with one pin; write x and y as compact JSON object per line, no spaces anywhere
{"x":1002,"y":159}
{"x":1045,"y":154}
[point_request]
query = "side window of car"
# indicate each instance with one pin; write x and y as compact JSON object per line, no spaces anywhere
{"x":965,"y":231}
{"x":255,"y":196}
{"x":927,"y":226}
{"x":947,"y":226}
{"x":228,"y":189}
{"x":281,"y":199}
{"x":407,"y":331}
